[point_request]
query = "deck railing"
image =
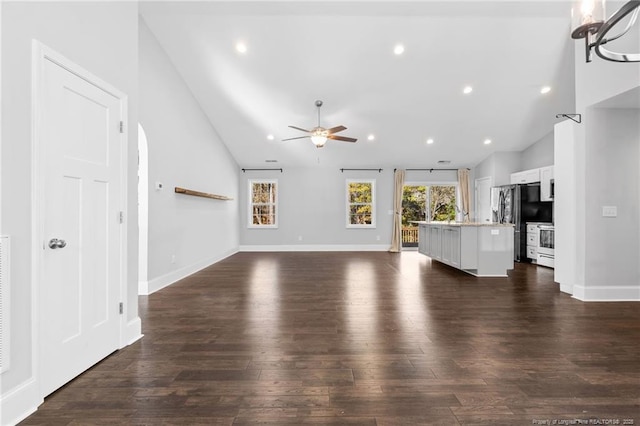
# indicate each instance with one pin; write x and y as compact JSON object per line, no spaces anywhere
{"x":410,"y":234}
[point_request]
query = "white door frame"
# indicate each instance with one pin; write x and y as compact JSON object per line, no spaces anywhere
{"x":143,"y":212}
{"x":475,"y":191}
{"x":41,"y":54}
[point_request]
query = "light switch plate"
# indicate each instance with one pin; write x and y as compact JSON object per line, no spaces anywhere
{"x":609,"y":211}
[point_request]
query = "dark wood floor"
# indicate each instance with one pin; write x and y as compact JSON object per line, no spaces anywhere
{"x":363,"y":338}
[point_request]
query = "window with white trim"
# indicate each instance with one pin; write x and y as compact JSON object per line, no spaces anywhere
{"x":263,"y":203}
{"x":361,"y":203}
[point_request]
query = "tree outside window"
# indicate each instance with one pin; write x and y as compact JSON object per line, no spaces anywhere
{"x":361,"y":204}
{"x":263,"y":202}
{"x":441,"y":202}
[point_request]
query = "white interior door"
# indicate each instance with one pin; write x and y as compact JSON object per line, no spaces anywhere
{"x":80,"y":166}
{"x":483,"y":199}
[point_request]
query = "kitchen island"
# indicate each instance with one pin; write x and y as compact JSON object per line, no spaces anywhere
{"x":479,"y":249}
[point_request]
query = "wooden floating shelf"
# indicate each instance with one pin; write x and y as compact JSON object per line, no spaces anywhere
{"x":179,"y":190}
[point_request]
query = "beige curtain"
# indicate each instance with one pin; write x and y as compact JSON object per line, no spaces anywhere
{"x":463,"y":184}
{"x":396,"y":237}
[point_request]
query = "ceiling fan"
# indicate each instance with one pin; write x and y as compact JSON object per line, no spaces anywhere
{"x":319,"y":135}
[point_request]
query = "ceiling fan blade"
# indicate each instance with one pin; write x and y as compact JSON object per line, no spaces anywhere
{"x":299,"y":137}
{"x":336,"y":129}
{"x":301,"y":129}
{"x":341,"y":138}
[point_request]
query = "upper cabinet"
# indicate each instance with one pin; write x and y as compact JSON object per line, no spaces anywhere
{"x":546,"y":183}
{"x":544,"y":175}
{"x":527,"y":176}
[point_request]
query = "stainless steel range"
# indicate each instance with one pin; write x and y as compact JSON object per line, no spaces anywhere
{"x":546,"y":245}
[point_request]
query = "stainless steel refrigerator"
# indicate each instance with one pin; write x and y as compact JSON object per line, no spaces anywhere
{"x":519,"y":204}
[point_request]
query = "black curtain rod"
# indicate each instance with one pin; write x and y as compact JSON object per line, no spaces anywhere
{"x":429,"y":170}
{"x":377,"y":170}
{"x":253,"y":170}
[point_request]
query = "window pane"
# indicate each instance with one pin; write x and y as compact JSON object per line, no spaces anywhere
{"x":414,"y":204}
{"x":442,"y":202}
{"x":360,"y":214}
{"x":360,"y":220}
{"x":264,"y":193}
{"x":264,"y":214}
{"x":360,"y":192}
{"x":360,"y":203}
{"x":263,"y":201}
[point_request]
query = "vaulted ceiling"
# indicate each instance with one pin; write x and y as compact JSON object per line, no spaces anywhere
{"x":342,"y":52}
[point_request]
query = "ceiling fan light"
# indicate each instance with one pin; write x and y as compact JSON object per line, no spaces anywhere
{"x":318,"y":140}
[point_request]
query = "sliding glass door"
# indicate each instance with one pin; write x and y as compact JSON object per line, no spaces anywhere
{"x":425,"y":202}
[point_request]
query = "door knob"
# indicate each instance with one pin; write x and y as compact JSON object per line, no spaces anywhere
{"x":55,"y":243}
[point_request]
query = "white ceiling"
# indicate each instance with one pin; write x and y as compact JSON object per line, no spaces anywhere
{"x":341,"y":52}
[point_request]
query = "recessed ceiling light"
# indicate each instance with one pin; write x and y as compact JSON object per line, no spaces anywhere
{"x":371,"y":137}
{"x":545,"y":89}
{"x":429,"y":141}
{"x":271,"y":137}
{"x":487,"y":141}
{"x":399,"y":49}
{"x":467,"y":90}
{"x":270,"y":161}
{"x":241,"y":47}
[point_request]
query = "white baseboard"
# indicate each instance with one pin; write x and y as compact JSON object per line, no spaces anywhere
{"x":607,"y":293}
{"x":24,"y":400}
{"x":133,"y":331}
{"x":19,"y":403}
{"x":143,"y":287}
{"x":566,"y":288}
{"x":316,"y":247}
{"x":163,"y":281}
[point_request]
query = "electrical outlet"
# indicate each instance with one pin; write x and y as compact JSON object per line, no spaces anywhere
{"x":173,"y":258}
{"x":377,"y":237}
{"x":299,"y":237}
{"x":609,"y":211}
{"x":159,"y":186}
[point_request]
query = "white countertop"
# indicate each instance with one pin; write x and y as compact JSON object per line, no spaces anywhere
{"x":491,"y":224}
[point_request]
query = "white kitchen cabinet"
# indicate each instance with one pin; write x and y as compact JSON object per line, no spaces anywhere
{"x":526,"y":176}
{"x":451,"y":246}
{"x":532,"y":242}
{"x":546,"y":178}
{"x":479,"y":249}
{"x":435,"y":242}
{"x":424,"y":241}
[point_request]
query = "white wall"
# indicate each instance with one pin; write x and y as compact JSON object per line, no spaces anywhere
{"x":596,"y":82}
{"x":185,"y":233}
{"x":538,"y":154}
{"x":565,"y":206}
{"x":499,"y":166}
{"x":312,"y":205}
{"x":102,"y":38}
{"x":612,"y":244}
